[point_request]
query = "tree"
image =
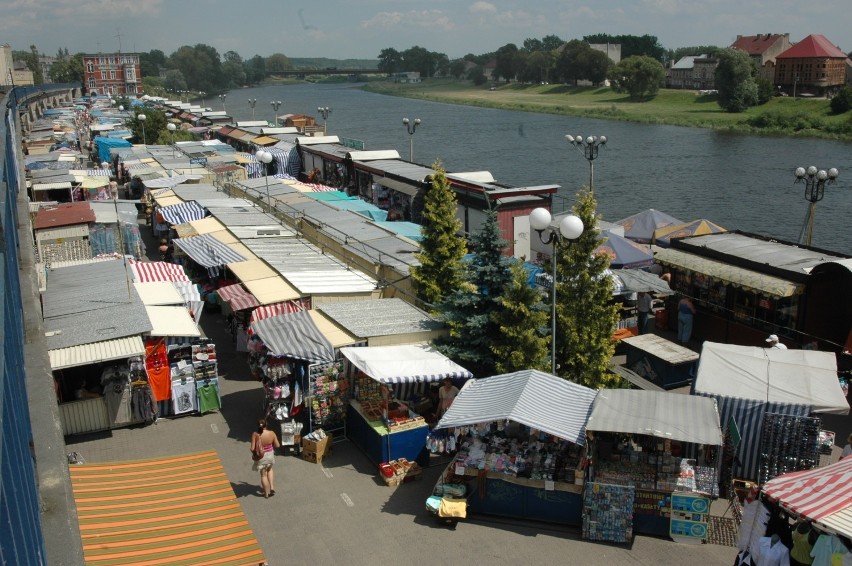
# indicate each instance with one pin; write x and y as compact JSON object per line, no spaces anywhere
{"x":470,"y":311}
{"x":639,"y":76}
{"x":632,"y":45}
{"x":255,"y":69}
{"x":152,"y":63}
{"x":551,"y":42}
{"x":505,"y":65}
{"x":595,"y":66}
{"x":477,"y":75}
{"x":457,"y":68}
{"x":34,"y":65}
{"x":842,"y":101}
{"x":681,"y":52}
{"x":735,"y":80}
{"x":522,"y":322}
{"x":569,"y":67}
{"x":390,"y":61}
{"x":155,"y":125}
{"x":441,"y":249}
{"x":200,"y":66}
{"x":585,"y":312}
{"x":233,"y":69}
{"x":68,"y":70}
{"x":765,"y":90}
{"x":278,"y":62}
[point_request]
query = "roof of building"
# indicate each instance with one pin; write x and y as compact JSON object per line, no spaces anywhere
{"x":757,"y":44}
{"x":66,"y":214}
{"x":814,"y":45}
{"x":686,"y":62}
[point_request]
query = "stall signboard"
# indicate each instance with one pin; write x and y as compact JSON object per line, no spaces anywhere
{"x":686,"y":531}
{"x":689,"y":518}
{"x":651,"y":503}
{"x":688,"y":503}
{"x":198,"y":161}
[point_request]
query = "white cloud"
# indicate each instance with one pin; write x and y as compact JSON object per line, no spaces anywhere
{"x":430,"y":19}
{"x":482,"y":8}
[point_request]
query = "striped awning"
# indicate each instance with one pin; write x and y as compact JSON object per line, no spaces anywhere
{"x":179,"y":509}
{"x":725,"y":272}
{"x":207,"y":251}
{"x":686,"y":418}
{"x":530,"y":397}
{"x":814,"y":494}
{"x":182,"y":213}
{"x":404,"y":364}
{"x":277,"y":309}
{"x":146,"y":271}
{"x":238,"y":297}
{"x":294,"y":336}
{"x":85,"y":354}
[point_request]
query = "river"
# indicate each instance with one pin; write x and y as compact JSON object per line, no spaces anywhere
{"x":738,"y":181}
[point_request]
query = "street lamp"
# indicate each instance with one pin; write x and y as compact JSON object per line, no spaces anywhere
{"x":266,"y":158}
{"x":570,"y":228}
{"x":276,"y":104}
{"x":201,"y":93}
{"x":411,"y":127}
{"x":171,"y":128}
{"x":815,"y":182}
{"x":589,"y":149}
{"x":252,"y":102}
{"x":142,"y":118}
{"x":324,"y":112}
{"x":222,"y":97}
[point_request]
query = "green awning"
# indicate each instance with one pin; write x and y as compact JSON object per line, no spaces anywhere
{"x":736,"y":276}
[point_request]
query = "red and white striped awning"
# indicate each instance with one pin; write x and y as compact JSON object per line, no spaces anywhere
{"x":147,"y":271}
{"x":277,"y":309}
{"x":816,"y":493}
{"x":238,"y":297}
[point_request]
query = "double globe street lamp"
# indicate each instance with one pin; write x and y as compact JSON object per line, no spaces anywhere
{"x":276,"y":104}
{"x":815,"y":181}
{"x":411,"y":127}
{"x":324,"y":111}
{"x":171,"y":128}
{"x":589,"y":148}
{"x":266,"y":158}
{"x":252,"y":102}
{"x":222,"y":97}
{"x":142,"y":118}
{"x":568,"y":230}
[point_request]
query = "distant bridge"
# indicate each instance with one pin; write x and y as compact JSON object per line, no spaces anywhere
{"x":325,"y":71}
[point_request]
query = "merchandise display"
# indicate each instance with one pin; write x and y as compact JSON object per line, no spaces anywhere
{"x":788,"y":444}
{"x":328,"y":393}
{"x":609,"y":513}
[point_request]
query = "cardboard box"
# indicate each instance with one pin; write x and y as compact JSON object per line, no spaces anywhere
{"x":315,"y":450}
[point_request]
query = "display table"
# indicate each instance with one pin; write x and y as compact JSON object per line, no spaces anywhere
{"x":380,"y":444}
{"x":660,"y":361}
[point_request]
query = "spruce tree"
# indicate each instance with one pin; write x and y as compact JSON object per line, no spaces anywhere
{"x":441,"y":249}
{"x":470,"y":310}
{"x":585,"y":312}
{"x":523,"y":337}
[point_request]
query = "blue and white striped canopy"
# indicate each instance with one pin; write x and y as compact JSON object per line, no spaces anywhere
{"x":207,"y":251}
{"x":530,"y":397}
{"x":294,"y":335}
{"x":404,"y":364}
{"x":182,"y":213}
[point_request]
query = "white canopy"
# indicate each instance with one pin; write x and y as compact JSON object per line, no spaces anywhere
{"x":404,"y":364}
{"x":171,"y":321}
{"x":530,"y":397}
{"x":803,"y":377}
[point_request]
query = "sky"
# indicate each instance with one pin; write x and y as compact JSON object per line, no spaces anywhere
{"x":340,"y":29}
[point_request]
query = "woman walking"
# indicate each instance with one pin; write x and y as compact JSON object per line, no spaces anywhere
{"x":685,"y":314}
{"x":266,"y":441}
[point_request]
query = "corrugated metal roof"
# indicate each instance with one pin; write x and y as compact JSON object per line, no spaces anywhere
{"x":332,"y":150}
{"x":120,"y":348}
{"x":337,"y":336}
{"x":383,"y":317}
{"x":53,"y":186}
{"x":261,"y":232}
{"x":63,"y":215}
{"x":77,"y":231}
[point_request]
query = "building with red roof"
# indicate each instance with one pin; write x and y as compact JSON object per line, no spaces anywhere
{"x":763,"y":49}
{"x":813,"y":66}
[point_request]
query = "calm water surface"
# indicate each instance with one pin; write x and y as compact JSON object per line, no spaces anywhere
{"x":741,"y":182}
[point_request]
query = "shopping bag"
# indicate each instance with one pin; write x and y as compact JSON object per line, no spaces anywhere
{"x":454,"y":508}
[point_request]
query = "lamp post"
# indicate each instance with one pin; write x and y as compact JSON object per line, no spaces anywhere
{"x":222,"y":97}
{"x":815,"y":182}
{"x":171,"y":128}
{"x":142,"y":118}
{"x":276,"y":104}
{"x":569,"y":229}
{"x":411,"y":127}
{"x":266,"y":158}
{"x":252,"y":102}
{"x":589,"y":148}
{"x":201,"y":93}
{"x":324,"y":111}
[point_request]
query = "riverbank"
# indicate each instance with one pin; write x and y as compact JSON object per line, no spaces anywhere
{"x":781,"y":116}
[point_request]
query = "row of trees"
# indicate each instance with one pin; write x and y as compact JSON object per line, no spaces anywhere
{"x":499,"y":323}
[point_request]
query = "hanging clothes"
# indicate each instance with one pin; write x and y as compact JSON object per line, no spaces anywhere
{"x":183,"y":397}
{"x":157,"y":367}
{"x":118,"y":400}
{"x":143,"y":405}
{"x":208,"y":396}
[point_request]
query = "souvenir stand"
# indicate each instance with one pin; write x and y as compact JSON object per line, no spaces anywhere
{"x":379,"y":417}
{"x":757,"y":389}
{"x":657,"y":445}
{"x":660,"y":361}
{"x":520,"y":446}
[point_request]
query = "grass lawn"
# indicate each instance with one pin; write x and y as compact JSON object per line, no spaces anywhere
{"x":785,"y":116}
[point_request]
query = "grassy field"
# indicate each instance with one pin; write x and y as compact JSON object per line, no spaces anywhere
{"x":783,"y":116}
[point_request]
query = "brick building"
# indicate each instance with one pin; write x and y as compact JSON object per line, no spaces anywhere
{"x":814,"y":67}
{"x":112,"y":74}
{"x":763,"y":49}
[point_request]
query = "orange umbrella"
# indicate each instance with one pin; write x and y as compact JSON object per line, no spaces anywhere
{"x":700,"y":227}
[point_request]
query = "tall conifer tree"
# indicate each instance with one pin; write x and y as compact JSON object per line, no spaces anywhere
{"x":522,"y":341}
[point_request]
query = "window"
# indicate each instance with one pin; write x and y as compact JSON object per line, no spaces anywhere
{"x":103,"y":75}
{"x":90,"y":67}
{"x":92,"y":82}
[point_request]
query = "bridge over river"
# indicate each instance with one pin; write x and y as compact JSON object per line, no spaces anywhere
{"x":298,"y":73}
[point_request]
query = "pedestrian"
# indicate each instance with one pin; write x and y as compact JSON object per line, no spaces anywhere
{"x":847,"y":450}
{"x":773,"y":344}
{"x":685,"y":316}
{"x":446,"y":395}
{"x":643,"y":305}
{"x":267,"y":441}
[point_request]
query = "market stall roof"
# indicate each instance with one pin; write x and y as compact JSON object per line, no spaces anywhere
{"x":66,"y":214}
{"x":638,"y":281}
{"x":54,"y":186}
{"x":271,"y":290}
{"x":640,"y":227}
{"x":251,"y":270}
{"x":207,"y":225}
{"x":276,"y":309}
{"x":294,"y":335}
{"x":624,"y":253}
{"x":382,"y":317}
{"x":404,"y":364}
{"x":686,"y":418}
{"x":183,"y":212}
{"x":805,"y":377}
{"x":158,"y":293}
{"x":171,"y":321}
{"x":145,"y":271}
{"x":336,"y":335}
{"x":821,"y":494}
{"x":530,"y":397}
{"x":85,"y":354}
{"x":736,"y":276}
{"x":207,"y":251}
{"x":238,"y":297}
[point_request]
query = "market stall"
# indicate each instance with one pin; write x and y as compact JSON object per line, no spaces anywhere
{"x":649,"y":445}
{"x":660,"y":361}
{"x":380,"y":419}
{"x":520,"y":439}
{"x":750,"y":383}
